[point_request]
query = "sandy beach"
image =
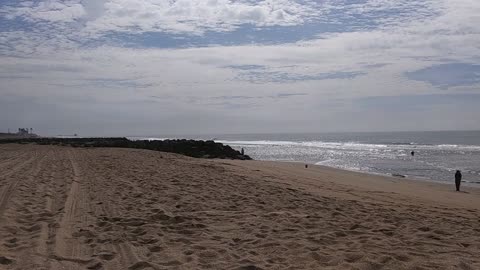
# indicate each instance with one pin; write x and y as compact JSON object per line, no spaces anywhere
{"x":112,"y":208}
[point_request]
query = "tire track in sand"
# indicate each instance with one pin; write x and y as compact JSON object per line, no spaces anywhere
{"x":8,"y":189}
{"x":9,"y":158}
{"x":18,"y":228}
{"x":68,"y":251}
{"x":113,"y":253}
{"x":20,"y":162}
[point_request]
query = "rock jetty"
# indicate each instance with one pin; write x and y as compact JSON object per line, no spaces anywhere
{"x":192,"y":148}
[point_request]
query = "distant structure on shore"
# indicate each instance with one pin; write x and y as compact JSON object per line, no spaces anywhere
{"x":24,"y":131}
{"x":21,"y":133}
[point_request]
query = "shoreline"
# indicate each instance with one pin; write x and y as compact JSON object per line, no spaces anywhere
{"x":432,"y":191}
{"x":475,"y":184}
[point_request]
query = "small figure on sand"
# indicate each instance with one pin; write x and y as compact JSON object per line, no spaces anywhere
{"x":412,"y":153}
{"x":458,"y":179}
{"x":306,"y":166}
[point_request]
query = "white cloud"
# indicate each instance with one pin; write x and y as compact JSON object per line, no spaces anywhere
{"x":51,"y":63}
{"x":180,"y":16}
{"x":55,"y":11}
{"x":185,"y":16}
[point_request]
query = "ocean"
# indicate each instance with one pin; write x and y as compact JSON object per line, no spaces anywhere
{"x":437,"y":154}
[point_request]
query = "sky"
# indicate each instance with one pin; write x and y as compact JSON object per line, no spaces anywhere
{"x":153,"y":67}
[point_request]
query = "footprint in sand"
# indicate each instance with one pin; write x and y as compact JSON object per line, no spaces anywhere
{"x":141,"y":265}
{"x":95,"y":266}
{"x":5,"y":261}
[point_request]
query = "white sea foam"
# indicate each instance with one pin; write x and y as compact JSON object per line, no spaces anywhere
{"x":353,"y":145}
{"x":325,"y":162}
{"x":258,"y":142}
{"x":431,"y":161}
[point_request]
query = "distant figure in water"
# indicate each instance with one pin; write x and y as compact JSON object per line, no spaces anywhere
{"x":412,"y":153}
{"x":458,"y":179}
{"x":243,"y":152}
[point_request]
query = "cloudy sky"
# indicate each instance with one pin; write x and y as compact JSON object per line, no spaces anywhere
{"x":148,"y":67}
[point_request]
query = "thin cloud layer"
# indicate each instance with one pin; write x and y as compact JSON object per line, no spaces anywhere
{"x":266,"y":61}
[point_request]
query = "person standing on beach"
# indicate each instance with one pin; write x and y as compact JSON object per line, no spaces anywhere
{"x":458,"y":179}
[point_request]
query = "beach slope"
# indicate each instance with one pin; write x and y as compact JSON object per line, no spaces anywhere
{"x":106,"y":208}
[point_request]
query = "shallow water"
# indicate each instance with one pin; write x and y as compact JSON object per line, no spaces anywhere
{"x":437,"y":154}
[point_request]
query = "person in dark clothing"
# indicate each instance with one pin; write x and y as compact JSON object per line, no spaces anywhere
{"x":242,"y":152}
{"x":412,"y":153}
{"x":458,"y":179}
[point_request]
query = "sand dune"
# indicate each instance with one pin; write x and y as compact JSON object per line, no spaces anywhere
{"x":71,"y":208}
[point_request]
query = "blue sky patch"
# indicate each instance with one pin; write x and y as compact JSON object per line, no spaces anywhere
{"x":448,"y":75}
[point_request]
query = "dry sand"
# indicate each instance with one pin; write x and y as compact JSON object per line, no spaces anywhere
{"x":71,"y":208}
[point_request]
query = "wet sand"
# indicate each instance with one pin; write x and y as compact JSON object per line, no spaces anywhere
{"x":105,"y":208}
